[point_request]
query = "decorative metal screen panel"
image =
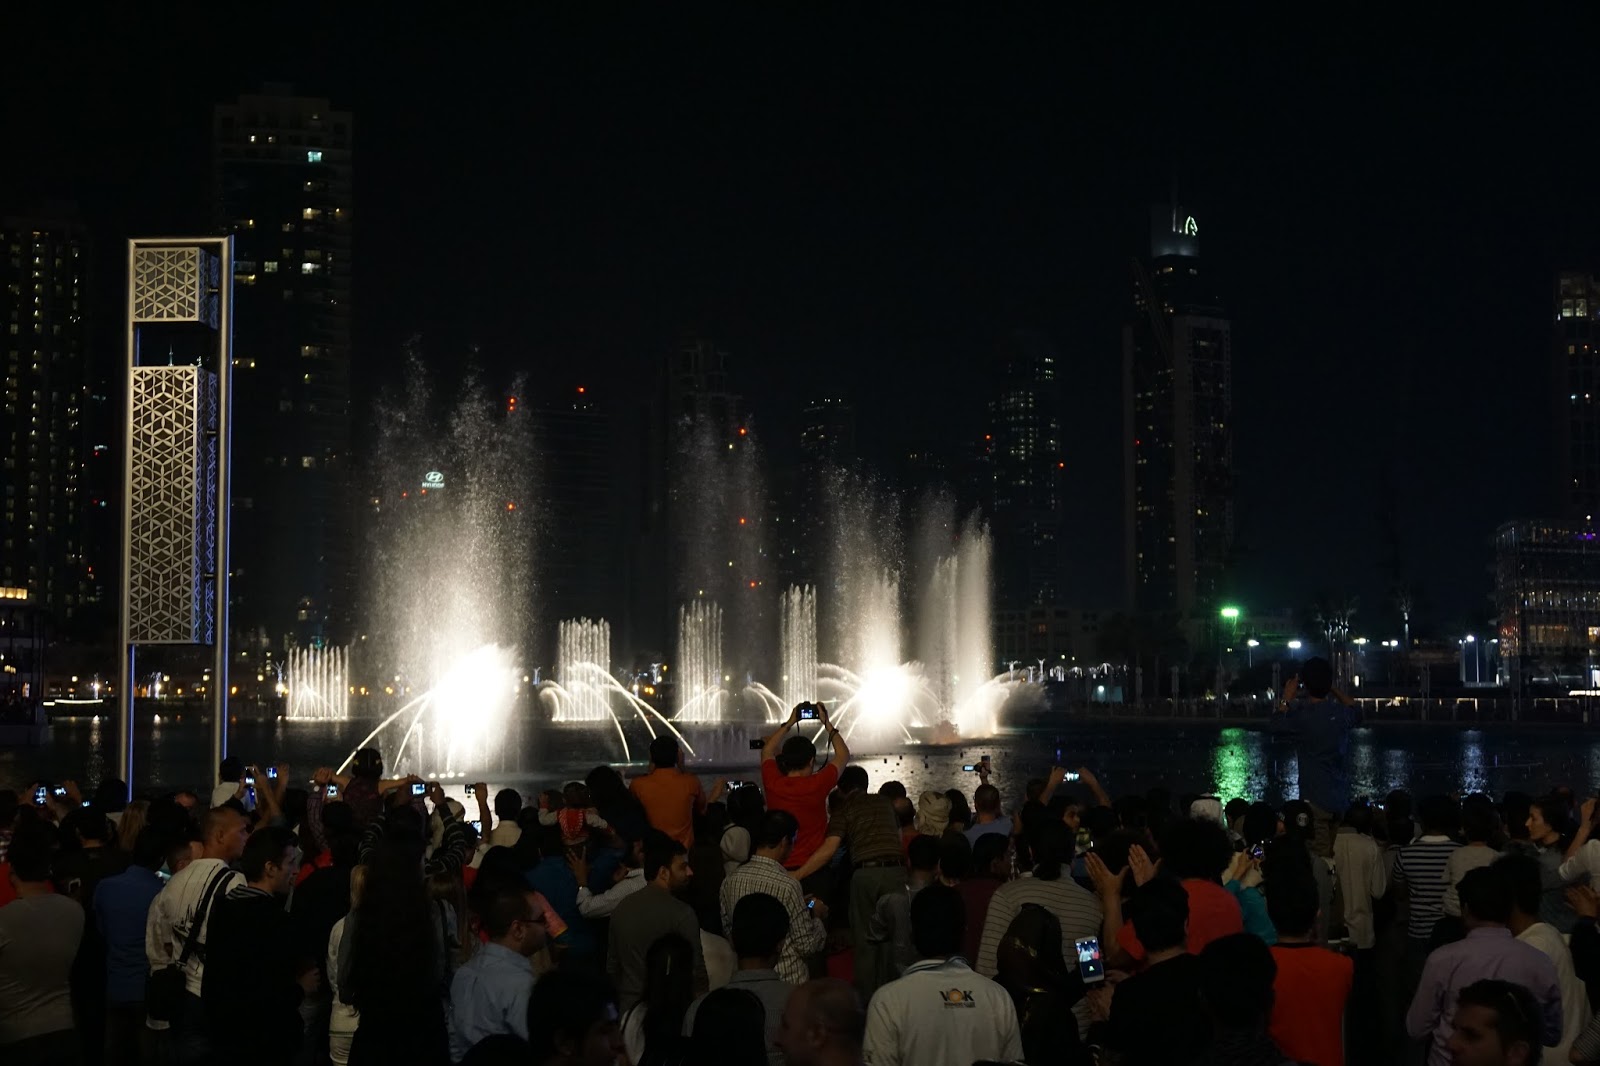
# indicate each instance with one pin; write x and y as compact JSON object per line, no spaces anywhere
{"x":175,"y":285}
{"x":172,"y":539}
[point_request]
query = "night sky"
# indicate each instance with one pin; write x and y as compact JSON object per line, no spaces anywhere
{"x":872,"y":204}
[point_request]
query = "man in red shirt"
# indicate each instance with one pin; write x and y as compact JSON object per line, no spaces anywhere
{"x":1313,"y":983}
{"x":792,"y":782}
{"x":670,"y":796}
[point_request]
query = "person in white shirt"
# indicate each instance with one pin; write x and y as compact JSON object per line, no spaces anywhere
{"x":231,"y":784}
{"x":940,"y":1013}
{"x":344,"y":1019}
{"x":174,"y":912}
{"x":1527,"y":890}
{"x":629,"y":878}
{"x":1583,"y":854}
{"x":1363,"y":874}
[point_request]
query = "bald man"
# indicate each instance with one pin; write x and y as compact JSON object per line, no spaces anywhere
{"x":823,"y":1025}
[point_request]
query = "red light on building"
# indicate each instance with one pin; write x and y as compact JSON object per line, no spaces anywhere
{"x":752,"y":584}
{"x":1061,"y":466}
{"x":422,"y":492}
{"x":582,"y":390}
{"x":741,"y":521}
{"x":743,"y":431}
{"x":405,"y":495}
{"x":511,"y":507}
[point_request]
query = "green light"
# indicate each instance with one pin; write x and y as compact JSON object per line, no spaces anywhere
{"x":1231,"y":613}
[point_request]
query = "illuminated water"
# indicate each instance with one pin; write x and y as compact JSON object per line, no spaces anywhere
{"x":1127,"y":756}
{"x":318,"y":680}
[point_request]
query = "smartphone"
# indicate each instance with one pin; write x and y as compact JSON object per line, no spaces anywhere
{"x":333,"y":789}
{"x":811,"y":904}
{"x":250,"y":780}
{"x":466,"y":790}
{"x":1258,"y":851}
{"x":59,"y":792}
{"x":272,"y":773}
{"x":41,"y":795}
{"x":85,"y":803}
{"x":477,"y":826}
{"x":808,"y":712}
{"x":756,"y":744}
{"x":737,"y":784}
{"x":970,"y":768}
{"x":1072,"y":775}
{"x":1091,"y":967}
{"x":986,"y":761}
{"x":419,"y":789}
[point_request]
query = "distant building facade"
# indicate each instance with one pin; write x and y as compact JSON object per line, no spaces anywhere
{"x":1059,"y":634}
{"x":1025,"y":467}
{"x":283,"y":189}
{"x":54,"y":499}
{"x":1177,"y":352}
{"x":579,"y":546}
{"x":1547,"y":601}
{"x":1577,"y":366}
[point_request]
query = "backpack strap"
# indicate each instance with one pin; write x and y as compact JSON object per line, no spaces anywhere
{"x":202,"y":914}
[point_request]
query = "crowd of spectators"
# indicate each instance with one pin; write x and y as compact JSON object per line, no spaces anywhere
{"x":806,"y":918}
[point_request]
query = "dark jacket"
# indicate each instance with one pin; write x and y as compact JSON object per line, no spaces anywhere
{"x":249,"y":990}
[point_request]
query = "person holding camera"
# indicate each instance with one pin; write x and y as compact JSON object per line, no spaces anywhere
{"x":792,"y":783}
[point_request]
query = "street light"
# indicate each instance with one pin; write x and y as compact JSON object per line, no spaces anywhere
{"x":1295,"y":645}
{"x":1231,"y":613}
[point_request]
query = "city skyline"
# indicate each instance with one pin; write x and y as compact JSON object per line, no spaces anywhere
{"x":875,"y":242}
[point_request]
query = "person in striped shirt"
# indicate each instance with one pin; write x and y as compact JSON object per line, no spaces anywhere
{"x":1052,"y":888}
{"x":1421,"y":864}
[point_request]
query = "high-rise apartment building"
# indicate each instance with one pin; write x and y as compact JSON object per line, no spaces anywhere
{"x":1577,"y":359}
{"x":283,"y":189}
{"x":577,"y":554}
{"x":47,"y":551}
{"x":1026,"y":471}
{"x":1178,"y":438}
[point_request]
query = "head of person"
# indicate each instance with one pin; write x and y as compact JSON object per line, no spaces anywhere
{"x":271,"y":859}
{"x":1439,"y":815}
{"x":90,"y":826}
{"x":664,"y":752}
{"x":1291,"y":892}
{"x":1029,"y":955}
{"x":1316,"y":677}
{"x":367,"y":764}
{"x":986,"y":800}
{"x":1235,"y":811}
{"x":606,"y":786}
{"x":938,"y":920}
{"x":1479,"y":820}
{"x":183,"y":846}
{"x":933,"y":814}
{"x":30,"y":854}
{"x":730,"y":1026}
{"x":149,"y":848}
{"x":746,"y":806}
{"x":955,"y":856}
{"x":1159,"y":911}
{"x":1299,"y":820}
{"x":1496,"y":1023}
{"x":823,"y":1021}
{"x":990,"y":855}
{"x":112,"y":795}
{"x":760,"y":924}
{"x":223,"y":832}
{"x":775,"y":835}
{"x":231,"y":769}
{"x":512,"y":919}
{"x":922,"y":854}
{"x":574,"y":1022}
{"x":892,"y":789}
{"x":1359,"y":817}
{"x":1195,"y":848}
{"x":1522,"y":876}
{"x":1546,"y":818}
{"x":1236,"y":976}
{"x":666,"y":862}
{"x":1485,"y":897}
{"x":852,"y":779}
{"x":960,"y":810}
{"x":1260,"y":823}
{"x":1516,"y":805}
{"x":798,"y":758}
{"x":1053,"y":849}
{"x":507,"y":804}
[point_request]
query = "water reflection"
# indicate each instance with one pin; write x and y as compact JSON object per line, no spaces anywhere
{"x":1472,"y":776}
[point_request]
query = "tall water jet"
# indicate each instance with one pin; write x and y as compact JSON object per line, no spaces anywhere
{"x":699,"y":667}
{"x":976,"y":703}
{"x":318,"y":681}
{"x":583,"y":654}
{"x":797,"y":639}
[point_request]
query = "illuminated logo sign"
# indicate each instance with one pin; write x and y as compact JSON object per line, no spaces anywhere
{"x":433,"y":479}
{"x":1189,"y":228}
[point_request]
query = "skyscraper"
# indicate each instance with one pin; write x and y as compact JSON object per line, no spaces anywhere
{"x":578,"y":552}
{"x":1177,"y":364}
{"x":48,"y":481}
{"x":283,"y":173}
{"x":1026,"y":471}
{"x":1577,"y":359}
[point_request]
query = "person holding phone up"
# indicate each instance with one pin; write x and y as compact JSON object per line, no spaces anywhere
{"x":792,"y":782}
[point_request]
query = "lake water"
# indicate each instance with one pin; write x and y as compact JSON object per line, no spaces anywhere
{"x":1185,"y":756}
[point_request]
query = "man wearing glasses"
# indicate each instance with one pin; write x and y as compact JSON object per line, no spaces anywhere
{"x":489,"y":993}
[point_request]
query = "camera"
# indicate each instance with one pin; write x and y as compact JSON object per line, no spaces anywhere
{"x":756,"y":744}
{"x":419,"y":789}
{"x":333,"y":789}
{"x":59,"y":792}
{"x":250,"y":780}
{"x":272,"y":773}
{"x":808,"y":712}
{"x":41,"y":795}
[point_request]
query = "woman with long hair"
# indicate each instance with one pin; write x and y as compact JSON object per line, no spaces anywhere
{"x":1033,"y":970}
{"x":344,"y":1019}
{"x":446,"y":887}
{"x":620,"y":808}
{"x":133,"y":819}
{"x":391,"y":964}
{"x":652,"y":1029}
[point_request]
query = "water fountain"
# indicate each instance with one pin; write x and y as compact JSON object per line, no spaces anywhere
{"x":318,"y":681}
{"x":700,"y":691}
{"x":583,"y":653}
{"x":797,"y":618}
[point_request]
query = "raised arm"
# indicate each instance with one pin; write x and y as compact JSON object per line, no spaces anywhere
{"x":841,"y":750}
{"x":480,"y":792}
{"x":1092,"y":782}
{"x":769,"y":747}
